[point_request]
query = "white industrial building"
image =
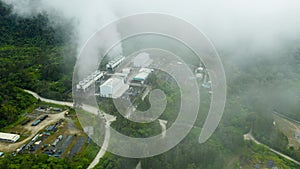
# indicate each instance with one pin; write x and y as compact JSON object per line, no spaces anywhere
{"x":7,"y":137}
{"x":115,"y":62}
{"x":142,"y":60}
{"x":88,"y":81}
{"x":113,"y":88}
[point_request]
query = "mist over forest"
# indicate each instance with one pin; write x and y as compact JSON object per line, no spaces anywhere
{"x":258,"y":43}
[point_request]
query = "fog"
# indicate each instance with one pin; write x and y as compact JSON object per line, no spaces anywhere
{"x":87,"y":17}
{"x":239,"y":25}
{"x":239,"y":29}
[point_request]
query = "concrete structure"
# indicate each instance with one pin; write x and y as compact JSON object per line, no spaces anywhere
{"x":113,"y":88}
{"x":126,"y":70}
{"x":142,"y":75}
{"x":7,"y":137}
{"x":88,"y":81}
{"x":207,"y":85}
{"x":120,"y":75}
{"x":297,"y":135}
{"x":115,"y":62}
{"x":142,"y":60}
{"x":200,"y":72}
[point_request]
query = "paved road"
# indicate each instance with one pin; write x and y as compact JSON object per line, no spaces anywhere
{"x":163,"y":126}
{"x":70,"y":104}
{"x":286,"y":117}
{"x":109,"y":119}
{"x":85,"y":107}
{"x":139,"y":165}
{"x":249,"y":136}
{"x":103,"y":147}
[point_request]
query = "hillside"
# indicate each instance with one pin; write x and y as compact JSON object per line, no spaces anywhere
{"x":38,"y":56}
{"x":32,"y":56}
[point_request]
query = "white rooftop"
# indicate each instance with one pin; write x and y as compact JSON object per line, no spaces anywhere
{"x":143,"y":74}
{"x":112,"y":82}
{"x":88,"y":81}
{"x":9,"y":137}
{"x":117,"y":85}
{"x":142,"y":60}
{"x":147,"y":70}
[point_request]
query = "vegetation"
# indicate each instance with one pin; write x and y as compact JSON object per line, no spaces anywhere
{"x":31,"y":57}
{"x":259,"y":155}
{"x":34,"y":55}
{"x":264,"y":87}
{"x":43,"y":161}
{"x":112,"y":161}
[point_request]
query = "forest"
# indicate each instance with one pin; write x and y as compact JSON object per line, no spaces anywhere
{"x":31,"y":57}
{"x":37,"y":56}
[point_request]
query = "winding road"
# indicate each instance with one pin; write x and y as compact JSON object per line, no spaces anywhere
{"x":109,"y":119}
{"x":163,"y":124}
{"x":70,"y":104}
{"x":249,"y":136}
{"x":102,"y":150}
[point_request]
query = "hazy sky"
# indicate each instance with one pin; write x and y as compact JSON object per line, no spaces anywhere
{"x":257,"y":24}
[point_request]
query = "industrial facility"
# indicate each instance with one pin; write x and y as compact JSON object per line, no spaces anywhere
{"x":113,"y":88}
{"x":134,"y":72}
{"x":142,"y":75}
{"x":38,"y":121}
{"x":115,"y":62}
{"x":86,"y":83}
{"x":142,"y":60}
{"x":123,"y":74}
{"x":7,"y":137}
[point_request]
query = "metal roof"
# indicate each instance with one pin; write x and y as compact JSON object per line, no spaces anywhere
{"x":112,"y":82}
{"x":9,"y":137}
{"x":88,"y":81}
{"x":118,"y":86}
{"x":141,"y":76}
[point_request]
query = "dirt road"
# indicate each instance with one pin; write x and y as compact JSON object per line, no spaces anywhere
{"x":91,"y":109}
{"x":9,"y":147}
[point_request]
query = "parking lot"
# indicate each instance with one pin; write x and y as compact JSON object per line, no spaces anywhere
{"x":42,"y":137}
{"x":29,"y":131}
